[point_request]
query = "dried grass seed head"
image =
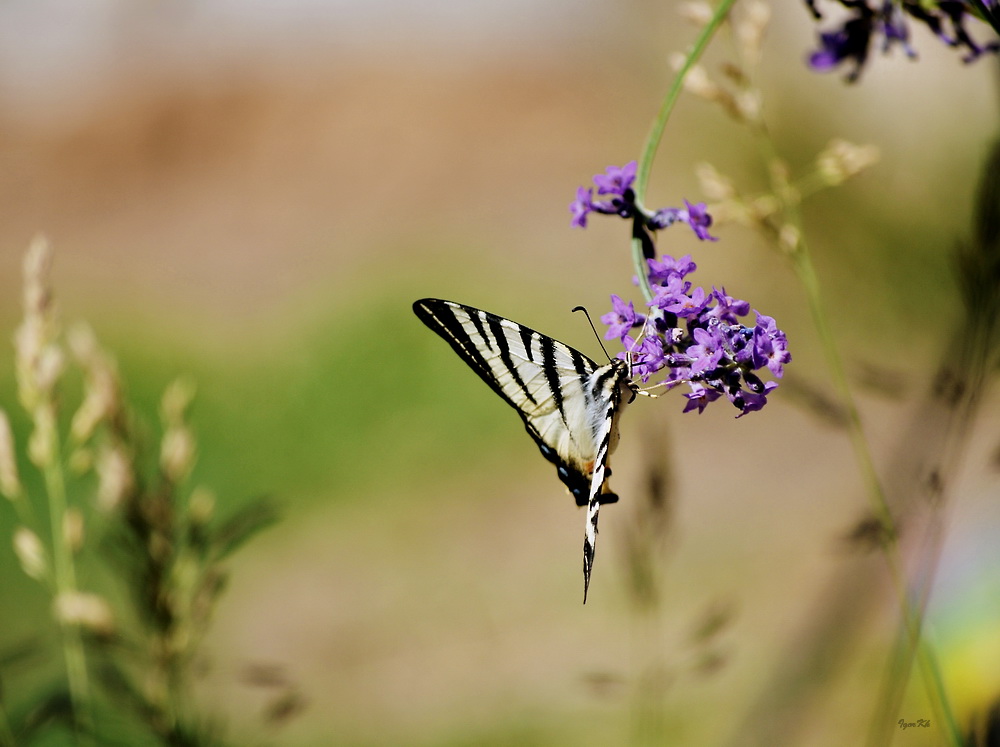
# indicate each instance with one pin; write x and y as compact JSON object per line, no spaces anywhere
{"x":72,"y":529}
{"x":841,"y":160}
{"x":86,"y":610}
{"x":31,"y":553}
{"x":115,"y":477}
{"x":10,"y":483}
{"x":751,"y":27}
{"x":697,"y":12}
{"x":38,"y":359}
{"x":102,"y":399}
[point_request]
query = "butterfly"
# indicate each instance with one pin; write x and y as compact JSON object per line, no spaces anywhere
{"x":570,"y":405}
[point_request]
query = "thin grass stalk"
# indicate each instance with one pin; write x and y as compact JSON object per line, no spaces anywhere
{"x":802,"y":263}
{"x":64,"y":572}
{"x":644,"y":542}
{"x":912,"y":617}
{"x":962,"y":382}
{"x":790,"y":235}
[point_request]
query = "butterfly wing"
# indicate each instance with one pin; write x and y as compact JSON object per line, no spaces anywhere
{"x":541,"y":378}
{"x":569,"y":404}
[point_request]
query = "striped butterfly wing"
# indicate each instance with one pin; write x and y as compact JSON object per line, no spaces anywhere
{"x":569,"y":404}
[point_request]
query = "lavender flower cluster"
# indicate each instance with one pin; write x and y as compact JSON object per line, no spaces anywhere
{"x":888,"y":20}
{"x":693,"y":335}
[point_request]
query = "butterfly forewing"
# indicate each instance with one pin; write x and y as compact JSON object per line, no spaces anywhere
{"x":569,"y":404}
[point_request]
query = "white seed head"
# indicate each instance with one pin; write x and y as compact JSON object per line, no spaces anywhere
{"x":177,"y":453}
{"x":764,"y":207}
{"x":100,"y":402}
{"x":49,"y":367}
{"x":751,"y":28}
{"x":102,"y":391}
{"x":748,"y":105}
{"x":788,"y":238}
{"x":714,"y":185}
{"x":841,"y":160}
{"x":37,"y":265}
{"x":114,"y":478}
{"x":85,"y":610}
{"x":201,"y":505}
{"x":176,"y":399}
{"x":10,"y":483}
{"x":43,"y":437}
{"x":82,"y":342}
{"x":31,"y":553}
{"x":72,"y":527}
{"x":700,"y":84}
{"x":697,"y":12}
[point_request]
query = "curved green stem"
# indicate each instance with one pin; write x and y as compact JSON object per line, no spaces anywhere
{"x":659,"y":124}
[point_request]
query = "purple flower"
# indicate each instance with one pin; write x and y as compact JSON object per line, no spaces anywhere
{"x":752,"y":401}
{"x":661,"y":271}
{"x":699,"y":220}
{"x":581,"y":206}
{"x":670,"y":293}
{"x":615,"y":180}
{"x":727,"y":308}
{"x":688,"y":306}
{"x":888,"y":18}
{"x":687,"y":335}
{"x":699,"y":397}
{"x":665,"y":217}
{"x":848,"y":43}
{"x":893,"y":27}
{"x":707,"y":351}
{"x":770,"y":347}
{"x":621,"y":318}
{"x":647,"y":356}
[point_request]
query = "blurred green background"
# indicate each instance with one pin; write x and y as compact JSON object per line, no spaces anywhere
{"x":253,"y":195}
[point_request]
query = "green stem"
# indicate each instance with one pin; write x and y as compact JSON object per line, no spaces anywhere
{"x":913,"y":618}
{"x":659,"y":124}
{"x":790,"y":197}
{"x":64,"y":574}
{"x":6,"y":735}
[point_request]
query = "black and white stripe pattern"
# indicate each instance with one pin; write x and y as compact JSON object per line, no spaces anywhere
{"x":570,"y":405}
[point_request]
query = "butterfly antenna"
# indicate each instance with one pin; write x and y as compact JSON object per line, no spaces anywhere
{"x":599,"y":340}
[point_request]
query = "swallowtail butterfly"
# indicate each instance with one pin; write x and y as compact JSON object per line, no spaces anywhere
{"x":570,"y":405}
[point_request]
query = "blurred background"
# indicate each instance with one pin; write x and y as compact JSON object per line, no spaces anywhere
{"x":253,"y":194}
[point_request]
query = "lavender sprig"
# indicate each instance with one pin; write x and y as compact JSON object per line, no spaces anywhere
{"x":888,"y":21}
{"x":693,"y":335}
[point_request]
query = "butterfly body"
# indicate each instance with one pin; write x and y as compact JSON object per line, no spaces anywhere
{"x":570,"y":406}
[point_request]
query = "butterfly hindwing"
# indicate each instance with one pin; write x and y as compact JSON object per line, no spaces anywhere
{"x":569,"y":404}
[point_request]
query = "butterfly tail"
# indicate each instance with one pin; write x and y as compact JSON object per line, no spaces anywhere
{"x":590,"y":541}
